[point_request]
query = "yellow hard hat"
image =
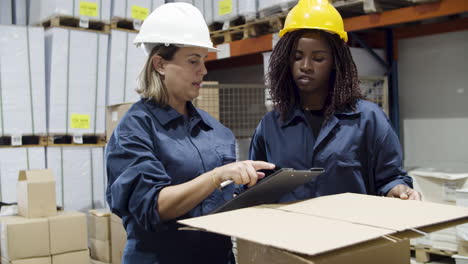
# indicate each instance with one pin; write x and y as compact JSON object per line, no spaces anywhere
{"x":315,"y":14}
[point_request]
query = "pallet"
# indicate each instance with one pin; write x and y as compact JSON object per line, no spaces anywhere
{"x":425,"y":254}
{"x":71,"y":22}
{"x":250,"y":29}
{"x":124,"y":24}
{"x":69,"y":140}
{"x":23,"y":141}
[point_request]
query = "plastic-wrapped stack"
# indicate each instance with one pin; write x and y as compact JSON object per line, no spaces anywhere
{"x":206,"y":7}
{"x":13,"y":12}
{"x":125,"y":63}
{"x":78,"y":166}
{"x":41,"y":10}
{"x":76,"y":81}
{"x":225,"y":10}
{"x":22,"y":81}
{"x":12,"y":160}
{"x":248,"y":9}
{"x":268,"y":7}
{"x":134,"y":9}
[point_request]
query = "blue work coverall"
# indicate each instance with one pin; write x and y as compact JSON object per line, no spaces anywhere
{"x":154,"y":147}
{"x":359,"y":151}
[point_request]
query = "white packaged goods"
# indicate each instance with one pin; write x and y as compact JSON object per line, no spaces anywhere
{"x":12,"y":160}
{"x":248,"y":9}
{"x":41,"y":10}
{"x":273,"y":6}
{"x":133,"y":9}
{"x":206,"y":7}
{"x":22,"y":81}
{"x":225,"y":10}
{"x":76,"y":81}
{"x":82,"y":167}
{"x":5,"y":12}
{"x":21,"y":15}
{"x":157,"y":3}
{"x":125,"y":64}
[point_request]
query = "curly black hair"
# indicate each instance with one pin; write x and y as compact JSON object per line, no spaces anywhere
{"x":344,"y":83}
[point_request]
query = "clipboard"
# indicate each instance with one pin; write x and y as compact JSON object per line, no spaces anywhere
{"x":270,"y":189}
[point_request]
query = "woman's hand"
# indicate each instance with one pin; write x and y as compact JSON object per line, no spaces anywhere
{"x":242,"y":172}
{"x":404,"y":192}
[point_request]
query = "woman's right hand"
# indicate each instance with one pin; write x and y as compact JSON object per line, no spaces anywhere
{"x":242,"y":172}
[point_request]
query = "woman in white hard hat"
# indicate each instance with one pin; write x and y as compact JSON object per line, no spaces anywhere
{"x":166,"y":159}
{"x":320,"y":117}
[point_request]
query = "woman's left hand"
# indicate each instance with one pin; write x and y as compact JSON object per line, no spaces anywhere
{"x":404,"y":192}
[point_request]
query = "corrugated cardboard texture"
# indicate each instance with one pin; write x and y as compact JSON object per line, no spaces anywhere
{"x":99,"y":225}
{"x":100,"y":250}
{"x":79,"y":257}
{"x":23,"y":238}
{"x":36,"y":193}
{"x":68,"y":232}
{"x":380,"y":251}
{"x":384,"y":212}
{"x":324,"y":224}
{"x":43,"y":260}
{"x":113,"y":115}
{"x":118,"y":238}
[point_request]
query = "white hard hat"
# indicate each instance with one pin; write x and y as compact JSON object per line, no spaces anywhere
{"x":179,"y":24}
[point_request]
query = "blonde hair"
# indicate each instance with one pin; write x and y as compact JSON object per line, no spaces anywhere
{"x":150,"y":82}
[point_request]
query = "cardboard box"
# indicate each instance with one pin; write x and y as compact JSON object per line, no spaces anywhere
{"x":36,"y":193}
{"x":42,"y":260}
{"x":78,"y":257}
{"x":93,"y":261}
{"x":327,"y":227}
{"x":22,"y":75}
{"x":63,"y":227}
{"x":78,"y":166}
{"x":113,"y":115}
{"x":208,"y":99}
{"x":23,"y":238}
{"x":99,"y":224}
{"x":125,"y":64}
{"x":13,"y":160}
{"x":76,"y":81}
{"x":100,"y":250}
{"x":119,"y":239}
{"x":460,"y":259}
{"x":124,"y":8}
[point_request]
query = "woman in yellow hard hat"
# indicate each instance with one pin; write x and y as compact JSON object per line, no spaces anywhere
{"x":166,"y":159}
{"x":320,"y":118}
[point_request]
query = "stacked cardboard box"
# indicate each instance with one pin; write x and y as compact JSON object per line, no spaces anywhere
{"x":99,"y":235}
{"x":118,"y":238}
{"x":40,"y":234}
{"x":134,"y":9}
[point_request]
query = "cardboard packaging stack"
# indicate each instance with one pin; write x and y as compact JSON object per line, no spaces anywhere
{"x":78,"y":166}
{"x":462,"y":230}
{"x":268,"y":7}
{"x":100,"y":235}
{"x":40,"y":234}
{"x":22,"y":75}
{"x":113,"y":115}
{"x":225,"y":11}
{"x":134,"y":9}
{"x":13,"y":160}
{"x":42,"y":10}
{"x":13,"y":12}
{"x":340,"y":229}
{"x":439,"y":186}
{"x":125,"y":63}
{"x":206,"y":7}
{"x":118,"y":239}
{"x":76,"y":81}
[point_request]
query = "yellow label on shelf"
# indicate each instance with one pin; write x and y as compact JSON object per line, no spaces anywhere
{"x":88,"y":9}
{"x":225,"y":7}
{"x":139,"y":12}
{"x":80,"y":121}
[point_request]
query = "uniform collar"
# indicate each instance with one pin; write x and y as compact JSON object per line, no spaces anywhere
{"x":167,"y":114}
{"x":297,"y":112}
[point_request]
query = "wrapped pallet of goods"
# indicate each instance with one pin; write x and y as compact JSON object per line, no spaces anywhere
{"x":92,"y":10}
{"x":125,"y":63}
{"x":22,"y":81}
{"x":76,"y":81}
{"x":78,"y":166}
